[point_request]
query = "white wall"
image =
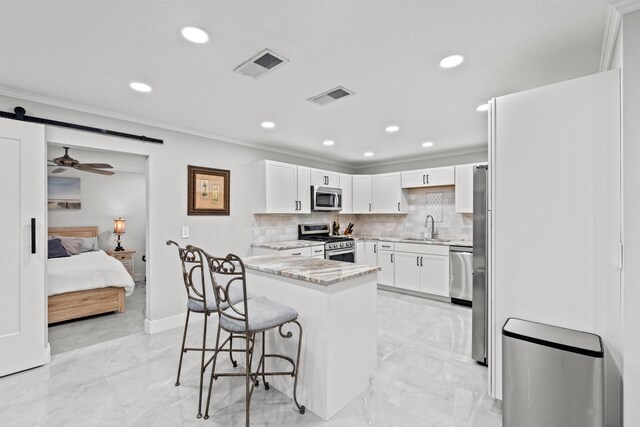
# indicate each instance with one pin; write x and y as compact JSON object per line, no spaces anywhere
{"x":107,"y":197}
{"x":478,"y":156}
{"x":167,"y":194}
{"x":631,"y":214}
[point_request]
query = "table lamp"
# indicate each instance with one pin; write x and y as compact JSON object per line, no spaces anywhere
{"x":118,"y":229}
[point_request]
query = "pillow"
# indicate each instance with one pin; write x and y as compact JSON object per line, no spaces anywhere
{"x":88,"y":244}
{"x":55,"y":249}
{"x":71,"y":244}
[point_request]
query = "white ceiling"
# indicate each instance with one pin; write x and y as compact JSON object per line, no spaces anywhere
{"x":87,"y":52}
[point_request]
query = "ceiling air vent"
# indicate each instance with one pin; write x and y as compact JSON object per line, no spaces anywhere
{"x":261,"y":64}
{"x":331,"y":95}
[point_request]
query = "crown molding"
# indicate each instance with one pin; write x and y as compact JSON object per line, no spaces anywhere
{"x":611,"y":30}
{"x":73,"y":106}
{"x":462,"y":152}
{"x":617,"y":8}
{"x":626,"y":6}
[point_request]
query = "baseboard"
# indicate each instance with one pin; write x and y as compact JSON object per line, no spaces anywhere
{"x":414,"y":293}
{"x":166,"y":323}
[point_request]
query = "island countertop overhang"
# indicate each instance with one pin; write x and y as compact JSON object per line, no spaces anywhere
{"x":313,"y":270}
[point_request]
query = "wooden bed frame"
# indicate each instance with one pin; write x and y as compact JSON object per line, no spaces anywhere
{"x":74,"y":305}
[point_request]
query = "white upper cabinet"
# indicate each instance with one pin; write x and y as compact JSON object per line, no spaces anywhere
{"x":434,"y":177}
{"x":346,"y":183}
{"x":325,"y":178}
{"x":362,"y":193}
{"x":303,"y":179}
{"x":387,"y":194}
{"x":287,"y":188}
{"x":464,"y":187}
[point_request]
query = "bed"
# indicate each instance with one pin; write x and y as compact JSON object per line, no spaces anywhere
{"x":85,"y":284}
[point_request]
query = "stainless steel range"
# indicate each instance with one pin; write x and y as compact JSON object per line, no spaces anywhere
{"x":336,"y":248}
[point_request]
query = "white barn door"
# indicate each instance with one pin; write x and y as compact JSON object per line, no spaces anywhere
{"x":22,"y":233}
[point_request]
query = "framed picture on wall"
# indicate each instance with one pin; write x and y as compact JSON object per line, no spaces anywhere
{"x":63,"y":193}
{"x":208,"y":192}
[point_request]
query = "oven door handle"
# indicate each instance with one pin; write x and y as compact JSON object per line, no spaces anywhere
{"x":331,"y":253}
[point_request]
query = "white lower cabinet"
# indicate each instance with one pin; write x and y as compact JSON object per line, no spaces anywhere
{"x":422,"y":268}
{"x":434,"y":274}
{"x":367,"y":252}
{"x":385,"y":262}
{"x":407,"y":271}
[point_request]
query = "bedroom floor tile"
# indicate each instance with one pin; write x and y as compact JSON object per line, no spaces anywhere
{"x":81,"y":333}
{"x":425,"y":377}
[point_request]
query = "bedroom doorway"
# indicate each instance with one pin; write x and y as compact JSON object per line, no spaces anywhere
{"x":97,"y":223}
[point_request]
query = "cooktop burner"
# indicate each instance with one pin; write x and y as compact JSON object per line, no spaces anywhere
{"x":321,"y":233}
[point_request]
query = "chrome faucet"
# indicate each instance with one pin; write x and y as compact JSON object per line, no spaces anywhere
{"x":434,"y":233}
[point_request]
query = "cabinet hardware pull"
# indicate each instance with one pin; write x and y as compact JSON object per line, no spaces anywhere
{"x":391,"y":257}
{"x":297,"y":253}
{"x":421,"y":258}
{"x":423,"y":179}
{"x":386,"y":246}
{"x":375,"y":248}
{"x":299,"y":205}
{"x":33,"y":235}
{"x":319,"y":250}
{"x":427,"y":178}
{"x":418,"y":261}
{"x":398,"y":206}
{"x":369,"y":207}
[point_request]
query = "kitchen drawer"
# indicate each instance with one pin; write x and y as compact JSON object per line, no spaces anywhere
{"x":317,"y":251}
{"x":423,"y":248}
{"x":306,"y":251}
{"x":385,"y":246}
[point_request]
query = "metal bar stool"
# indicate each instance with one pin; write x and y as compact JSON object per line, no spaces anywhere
{"x":249,"y":317}
{"x":193,"y":273}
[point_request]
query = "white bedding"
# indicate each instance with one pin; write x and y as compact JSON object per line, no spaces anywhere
{"x":88,"y":270}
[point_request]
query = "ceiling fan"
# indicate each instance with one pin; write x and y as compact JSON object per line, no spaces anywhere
{"x":67,"y":162}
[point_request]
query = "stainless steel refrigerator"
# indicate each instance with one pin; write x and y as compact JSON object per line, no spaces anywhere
{"x":479,"y":326}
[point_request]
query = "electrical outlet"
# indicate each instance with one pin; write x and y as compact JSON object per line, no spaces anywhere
{"x":185,"y":232}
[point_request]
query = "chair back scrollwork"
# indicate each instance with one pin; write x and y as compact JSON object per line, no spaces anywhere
{"x":193,"y":273}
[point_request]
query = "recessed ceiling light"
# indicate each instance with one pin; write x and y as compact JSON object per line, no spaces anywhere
{"x":328,"y":142}
{"x":483,"y":107}
{"x":368,"y":154}
{"x":195,"y":35}
{"x":268,"y":125}
{"x":392,"y":128}
{"x":451,"y":61}
{"x":140,"y":87}
{"x":427,"y":144}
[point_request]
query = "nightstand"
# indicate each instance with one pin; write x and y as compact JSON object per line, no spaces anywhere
{"x":125,"y":257}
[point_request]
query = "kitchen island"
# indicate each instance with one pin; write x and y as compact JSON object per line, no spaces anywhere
{"x":337,"y":303}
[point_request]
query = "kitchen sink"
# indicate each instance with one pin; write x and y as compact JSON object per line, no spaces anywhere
{"x":418,"y":239}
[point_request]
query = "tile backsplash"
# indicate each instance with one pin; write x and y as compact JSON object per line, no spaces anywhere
{"x":438,"y":202}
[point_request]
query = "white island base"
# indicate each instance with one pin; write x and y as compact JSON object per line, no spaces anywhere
{"x":339,"y":349}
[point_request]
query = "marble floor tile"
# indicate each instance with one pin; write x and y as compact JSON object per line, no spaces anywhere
{"x":425,"y":377}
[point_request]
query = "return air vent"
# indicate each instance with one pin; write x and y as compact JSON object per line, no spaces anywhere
{"x":261,"y":64}
{"x":331,"y":95}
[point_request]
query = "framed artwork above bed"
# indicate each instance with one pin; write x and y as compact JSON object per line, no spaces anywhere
{"x":63,"y":193}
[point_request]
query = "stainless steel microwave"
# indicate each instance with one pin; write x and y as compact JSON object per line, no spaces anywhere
{"x":326,"y":198}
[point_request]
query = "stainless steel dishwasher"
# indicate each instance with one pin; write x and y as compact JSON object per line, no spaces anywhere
{"x":461,"y":274}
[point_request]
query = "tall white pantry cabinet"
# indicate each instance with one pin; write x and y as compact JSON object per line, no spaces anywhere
{"x":23,"y":305}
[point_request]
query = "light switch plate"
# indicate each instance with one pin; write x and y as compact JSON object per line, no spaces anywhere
{"x":185,"y":232}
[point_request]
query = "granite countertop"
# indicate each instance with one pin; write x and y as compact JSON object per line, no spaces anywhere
{"x":314,"y":270}
{"x":466,"y":243}
{"x":287,"y":244}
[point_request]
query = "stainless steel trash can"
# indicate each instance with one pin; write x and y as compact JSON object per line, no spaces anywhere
{"x":551,"y":376}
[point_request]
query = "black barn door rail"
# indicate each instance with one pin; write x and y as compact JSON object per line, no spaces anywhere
{"x":18,"y":114}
